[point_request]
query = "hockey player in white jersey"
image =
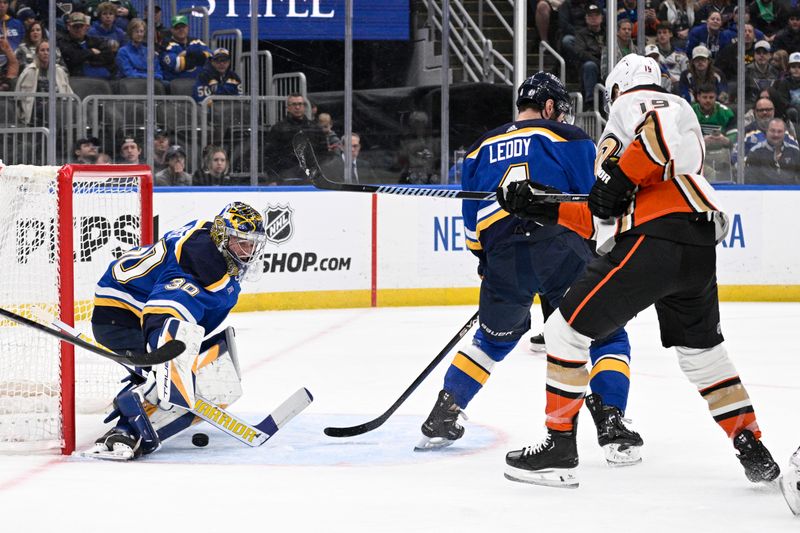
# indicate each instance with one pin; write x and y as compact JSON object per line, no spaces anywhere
{"x":656,"y":218}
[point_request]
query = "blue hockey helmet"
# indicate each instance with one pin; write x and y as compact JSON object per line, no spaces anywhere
{"x":540,"y":88}
{"x":238,"y":231}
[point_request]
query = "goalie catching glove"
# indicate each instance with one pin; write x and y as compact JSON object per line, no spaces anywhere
{"x":522,"y":199}
{"x":612,"y":192}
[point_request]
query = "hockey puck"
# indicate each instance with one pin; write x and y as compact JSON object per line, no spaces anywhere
{"x":200,"y":439}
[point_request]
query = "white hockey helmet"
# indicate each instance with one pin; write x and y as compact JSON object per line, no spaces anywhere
{"x":631,"y":71}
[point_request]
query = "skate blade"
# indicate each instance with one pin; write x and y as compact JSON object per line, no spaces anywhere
{"x":620,"y":455}
{"x":789,"y":488}
{"x":537,"y":348}
{"x":565,"y":478}
{"x":430,"y":444}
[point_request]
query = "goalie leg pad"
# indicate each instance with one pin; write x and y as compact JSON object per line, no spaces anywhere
{"x":217,"y":379}
{"x":175,"y":379}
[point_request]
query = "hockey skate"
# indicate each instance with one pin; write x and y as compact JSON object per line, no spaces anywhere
{"x":115,"y":445}
{"x":552,"y":462}
{"x":790,"y":483}
{"x":621,"y":445}
{"x":755,"y":458}
{"x":441,"y":429}
{"x":537,"y":343}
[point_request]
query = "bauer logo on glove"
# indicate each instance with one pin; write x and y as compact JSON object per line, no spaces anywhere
{"x":612,"y":192}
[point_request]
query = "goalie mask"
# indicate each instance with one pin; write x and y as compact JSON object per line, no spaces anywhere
{"x":631,"y":71}
{"x":238,"y":232}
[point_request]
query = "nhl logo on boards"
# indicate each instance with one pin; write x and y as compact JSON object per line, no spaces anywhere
{"x":279,"y":226}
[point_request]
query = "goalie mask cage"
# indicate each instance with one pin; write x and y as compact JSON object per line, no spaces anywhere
{"x":60,"y":227}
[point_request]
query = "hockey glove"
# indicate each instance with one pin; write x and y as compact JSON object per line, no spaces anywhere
{"x":519,"y":199}
{"x":612,"y":192}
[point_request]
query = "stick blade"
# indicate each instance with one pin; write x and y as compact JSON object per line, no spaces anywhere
{"x":166,"y":352}
{"x":352,"y":431}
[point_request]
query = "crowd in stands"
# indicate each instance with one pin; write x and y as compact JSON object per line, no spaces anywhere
{"x":694,"y":42}
{"x":696,"y":46}
{"x":106,"y":40}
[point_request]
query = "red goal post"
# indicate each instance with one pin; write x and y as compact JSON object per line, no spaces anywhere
{"x":62,"y":228}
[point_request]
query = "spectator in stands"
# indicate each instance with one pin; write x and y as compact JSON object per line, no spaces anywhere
{"x":625,"y":44}
{"x":571,"y":19}
{"x":789,"y":38}
{"x":215,"y":169}
{"x":419,"y":152}
{"x":26,"y":51}
{"x":333,"y":141}
{"x":755,"y":132}
{"x":162,"y":32}
{"x":11,"y":27}
{"x":725,"y":8}
{"x":86,"y":149}
{"x":362,"y":170}
{"x":718,"y":125}
{"x":130,"y":151}
{"x":9,"y":66}
{"x":125,"y":12}
{"x":104,"y":159}
{"x":542,"y":14}
{"x":711,"y":35}
{"x":283,"y":160}
{"x":768,"y":16}
{"x":33,"y":111}
{"x":651,"y":50}
{"x":105,"y":28}
{"x":589,"y":45}
{"x":626,"y":10}
{"x":83,"y":55}
{"x":175,"y":173}
{"x":217,"y":78}
{"x":26,"y":16}
{"x":679,"y":15}
{"x":650,"y":20}
{"x":727,"y":59}
{"x":759,"y":74}
{"x":675,"y":61}
{"x":183,"y":56}
{"x":773,"y":162}
{"x":787,"y":90}
{"x":161,"y":144}
{"x":132,"y":57}
{"x":780,"y":60}
{"x":701,"y":71}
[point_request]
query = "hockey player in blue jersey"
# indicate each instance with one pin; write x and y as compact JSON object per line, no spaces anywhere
{"x":518,"y":259}
{"x":182,"y":287}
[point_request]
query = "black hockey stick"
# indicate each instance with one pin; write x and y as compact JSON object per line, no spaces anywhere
{"x":310,"y":165}
{"x":168,"y":351}
{"x":377,"y":422}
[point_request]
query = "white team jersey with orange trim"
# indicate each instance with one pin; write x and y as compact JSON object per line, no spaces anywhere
{"x":658,"y":139}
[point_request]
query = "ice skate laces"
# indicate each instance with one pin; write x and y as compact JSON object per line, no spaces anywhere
{"x":538,"y":447}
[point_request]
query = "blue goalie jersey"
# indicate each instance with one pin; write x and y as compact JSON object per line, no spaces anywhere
{"x":183,"y":275}
{"x":544,"y":151}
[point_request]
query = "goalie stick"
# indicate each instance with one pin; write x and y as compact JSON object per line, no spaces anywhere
{"x":310,"y":165}
{"x":164,"y":353}
{"x":377,"y":422}
{"x":253,"y":436}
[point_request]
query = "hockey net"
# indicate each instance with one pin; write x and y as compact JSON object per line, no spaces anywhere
{"x":60,"y":227}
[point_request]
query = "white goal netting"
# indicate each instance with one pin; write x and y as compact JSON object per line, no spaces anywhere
{"x":106,"y":221}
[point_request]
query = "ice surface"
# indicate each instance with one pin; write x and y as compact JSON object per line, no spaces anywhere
{"x":356,"y":362}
